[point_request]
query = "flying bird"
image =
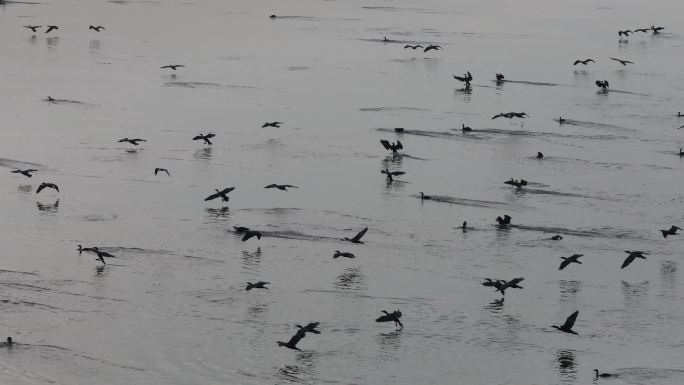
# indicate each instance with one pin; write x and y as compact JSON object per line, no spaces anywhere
{"x":132,"y":141}
{"x":50,"y":28}
{"x":625,"y":32}
{"x":391,"y":317}
{"x":431,"y":46}
{"x":391,"y":174}
{"x":585,"y":61}
{"x":633,"y":255}
{"x":283,"y":187}
{"x":205,"y":138}
{"x":394,"y":147}
{"x":413,"y":46}
{"x":158,"y":169}
{"x":47,"y":185}
{"x":671,"y":231}
{"x":357,"y":237}
{"x":568,"y":260}
{"x":251,"y":233}
{"x":101,"y":255}
{"x":240,"y":229}
{"x":173,"y":66}
{"x":258,"y":285}
{"x":569,"y":322}
{"x":292,"y":343}
{"x":24,"y":172}
{"x":82,"y":249}
{"x":32,"y":27}
{"x":645,"y":30}
{"x":96,"y":29}
{"x":272,"y":124}
{"x":499,"y":77}
{"x":623,"y":62}
{"x":602,"y":84}
{"x":310,"y":327}
{"x":220,"y":193}
{"x":341,"y":254}
{"x":467,"y":78}
{"x":656,"y":30}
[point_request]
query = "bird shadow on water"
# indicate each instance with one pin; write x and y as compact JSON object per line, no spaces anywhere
{"x":251,"y":261}
{"x":351,"y":279}
{"x":389,"y":343}
{"x":203,"y":153}
{"x":25,"y":188}
{"x":566,"y":365}
{"x":668,"y":277}
{"x":51,"y":208}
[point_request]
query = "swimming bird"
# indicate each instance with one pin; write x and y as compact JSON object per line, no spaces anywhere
{"x":96,"y":29}
{"x":283,"y":187}
{"x":205,"y":138}
{"x":393,"y":316}
{"x":220,"y":193}
{"x":568,"y":260}
{"x":398,"y":129}
{"x":623,"y":62}
{"x":413,"y":46}
{"x":173,"y":66}
{"x":47,"y":185}
{"x":251,"y":233}
{"x":671,"y":231}
{"x":310,"y":327}
{"x":392,"y":146}
{"x":431,"y":46}
{"x":26,"y":172}
{"x":625,"y":32}
{"x":8,"y":342}
{"x":569,"y":322}
{"x":292,"y":343}
{"x":602,"y":84}
{"x":32,"y":27}
{"x":633,"y":255}
{"x":499,"y":77}
{"x":158,"y":169}
{"x":357,"y":237}
{"x":258,"y":285}
{"x":540,"y":155}
{"x":240,"y":229}
{"x":506,"y":220}
{"x":517,"y":183}
{"x":585,"y":61}
{"x":656,"y":30}
{"x":272,"y":124}
{"x":556,"y":238}
{"x":561,"y":120}
{"x":132,"y":141}
{"x":51,"y":27}
{"x":341,"y":254}
{"x":424,"y":197}
{"x":273,"y":16}
{"x":681,"y":153}
{"x":679,"y":114}
{"x":465,"y":128}
{"x":603,"y":375}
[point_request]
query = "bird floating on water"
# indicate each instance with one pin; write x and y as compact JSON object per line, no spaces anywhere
{"x":47,"y":185}
{"x":159,"y":169}
{"x":50,"y":28}
{"x":671,"y":231}
{"x":26,"y":172}
{"x":173,"y":66}
{"x":603,"y":375}
{"x":251,"y":233}
{"x":283,"y":187}
{"x":394,"y":147}
{"x":96,"y":29}
{"x":205,"y":138}
{"x":681,"y":153}
{"x":540,"y":155}
{"x":258,"y":285}
{"x":556,"y":237}
{"x":506,"y":220}
{"x":623,"y":62}
{"x":517,"y":183}
{"x":602,"y":84}
{"x":584,"y":62}
{"x":633,"y":255}
{"x":357,"y":237}
{"x":431,"y":47}
{"x":220,"y":193}
{"x":465,"y":128}
{"x":413,"y":46}
{"x":569,"y":322}
{"x":424,"y":197}
{"x":132,"y":141}
{"x":33,"y":27}
{"x":568,"y":260}
{"x":391,"y":317}
{"x":343,"y":254}
{"x":625,"y":32}
{"x":271,"y":124}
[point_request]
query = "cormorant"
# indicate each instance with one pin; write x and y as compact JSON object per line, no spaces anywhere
{"x":205,"y":138}
{"x":467,"y":78}
{"x":623,"y":62}
{"x":32,"y":27}
{"x":645,"y":30}
{"x":392,"y":146}
{"x":273,"y":16}
{"x":556,"y":238}
{"x":24,"y":172}
{"x":568,"y":260}
{"x":221,"y":193}
{"x":398,"y":129}
{"x":101,"y":255}
{"x":625,"y":32}
{"x":391,"y":174}
{"x":464,"y":226}
{"x":393,"y":316}
{"x":514,"y":283}
{"x":132,"y":141}
{"x":679,"y":114}
{"x":561,"y":120}
{"x":506,"y":220}
{"x":258,"y":285}
{"x":424,"y":197}
{"x":671,"y":231}
{"x":283,"y":187}
{"x":341,"y":254}
{"x":681,"y":153}
{"x":632,"y":255}
{"x":357,"y":237}
{"x":50,"y":28}
{"x":656,"y":30}
{"x":292,"y":343}
{"x":251,"y":233}
{"x":540,"y":155}
{"x":158,"y":169}
{"x":585,"y":61}
{"x":413,"y":46}
{"x":47,"y":185}
{"x":569,"y":322}
{"x":96,"y":29}
{"x":517,"y":183}
{"x":310,"y":327}
{"x":431,"y":46}
{"x":8,"y":343}
{"x":499,"y":77}
{"x":173,"y":66}
{"x":82,"y":249}
{"x":240,"y":229}
{"x":272,"y":124}
{"x":602,"y":84}
{"x":603,"y":375}
{"x":465,"y":128}
{"x":510,"y":115}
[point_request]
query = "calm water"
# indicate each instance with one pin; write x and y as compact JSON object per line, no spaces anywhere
{"x":171,"y":309}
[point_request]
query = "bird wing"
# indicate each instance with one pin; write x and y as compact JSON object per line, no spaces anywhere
{"x":290,"y":186}
{"x":564,"y":264}
{"x":570,"y":321}
{"x":248,"y":235}
{"x":212,"y":196}
{"x":360,"y":235}
{"x":397,"y":173}
{"x":399,"y":145}
{"x":167,"y":172}
{"x":41,"y":187}
{"x":156,"y":170}
{"x":628,"y":260}
{"x":272,"y":185}
{"x":301,"y":333}
{"x":459,"y":78}
{"x":577,"y":62}
{"x":386,"y":144}
{"x":312,"y":325}
{"x":384,"y":318}
{"x":106,"y":254}
{"x":198,"y":137}
{"x":227,"y":190}
{"x":673,"y":229}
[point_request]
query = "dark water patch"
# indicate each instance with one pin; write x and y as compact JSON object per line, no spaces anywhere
{"x":391,"y":108}
{"x":46,"y":289}
{"x":398,"y":9}
{"x":610,"y":91}
{"x":18,"y":164}
{"x":136,"y":250}
{"x":560,"y":194}
{"x":602,"y":232}
{"x":68,"y":102}
{"x":548,"y":134}
{"x":2,"y":271}
{"x":126,"y":2}
{"x":287,"y":234}
{"x":436,"y":134}
{"x":299,"y":68}
{"x":314,"y":18}
{"x":207,"y":85}
{"x":650,"y":376}
{"x":467,"y":202}
{"x":203,"y":258}
{"x":80,"y":355}
{"x":588,"y":124}
{"x":531,"y":83}
{"x":95,"y":217}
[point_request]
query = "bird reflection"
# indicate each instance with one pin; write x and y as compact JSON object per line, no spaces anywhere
{"x":566,"y":365}
{"x":221,"y":212}
{"x":203,"y":153}
{"x":94,"y":45}
{"x":52,"y":42}
{"x":25,"y":188}
{"x":634,"y":293}
{"x":48,"y":208}
{"x":389,"y":342}
{"x":569,"y":290}
{"x":251,"y":261}
{"x":351,"y":279}
{"x":668,"y":277}
{"x":99,"y":270}
{"x":496,"y":305}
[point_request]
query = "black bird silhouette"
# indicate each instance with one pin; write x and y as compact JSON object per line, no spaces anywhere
{"x":220,"y":193}
{"x":671,"y":231}
{"x":50,"y":28}
{"x":623,"y":62}
{"x":510,"y":115}
{"x":9,"y":342}
{"x":310,"y":327}
{"x":82,"y":249}
{"x":101,"y":255}
{"x":240,"y":229}
{"x":514,"y":283}
{"x":158,"y":169}
{"x":283,"y":187}
{"x":569,"y":322}
{"x":490,"y":282}
{"x":681,"y":153}
{"x":431,"y":46}
{"x":292,"y":343}
{"x":602,"y":84}
{"x":398,"y":129}
{"x":272,"y":124}
{"x":517,"y":183}
{"x":585,"y":61}
{"x":389,"y":317}
{"x":645,"y":30}
{"x":679,"y":115}
{"x":424,"y":197}
{"x":251,"y":233}
{"x":357,"y":237}
{"x":96,"y":29}
{"x":568,"y":260}
{"x":467,"y":78}
{"x":391,"y":174}
{"x":656,"y":30}
{"x":132,"y":141}
{"x":413,"y":46}
{"x":556,"y":238}
{"x":392,"y":146}
{"x":633,"y":255}
{"x":561,"y":120}
{"x":603,"y":375}
{"x":32,"y":27}
{"x":47,"y":185}
{"x":205,"y":138}
{"x":273,"y":16}
{"x":625,"y":32}
{"x":343,"y":254}
{"x":173,"y":66}
{"x":258,"y":285}
{"x":465,"y":128}
{"x":499,"y":77}
{"x":24,"y":172}
{"x":464,"y":226}
{"x":540,"y":155}
{"x":506,"y":220}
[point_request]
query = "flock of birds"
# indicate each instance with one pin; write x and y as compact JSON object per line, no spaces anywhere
{"x":500,"y":285}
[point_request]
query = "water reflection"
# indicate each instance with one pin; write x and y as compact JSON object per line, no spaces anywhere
{"x":52,"y":42}
{"x":25,"y":188}
{"x":203,"y":153}
{"x":634,"y":293}
{"x":251,"y":261}
{"x":566,"y":365}
{"x":351,"y":279}
{"x":48,"y":208}
{"x":389,"y":343}
{"x":569,"y":291}
{"x":668,"y":278}
{"x":94,"y":45}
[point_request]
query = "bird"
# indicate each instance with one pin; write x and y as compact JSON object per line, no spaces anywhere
{"x":8,"y":343}
{"x":517,"y":183}
{"x":561,"y":120}
{"x":26,"y":172}
{"x":220,"y":193}
{"x":251,"y":233}
{"x":633,"y":255}
{"x":158,"y":169}
{"x":464,"y":226}
{"x":47,"y":185}
{"x":341,"y":254}
{"x":569,"y":322}
{"x":556,"y":238}
{"x":518,"y":114}
{"x":656,"y":30}
{"x":602,"y":84}
{"x":671,"y":231}
{"x":240,"y":229}
{"x":173,"y":66}
{"x":392,"y":146}
{"x":283,"y":187}
{"x":292,"y":343}
{"x":506,"y":220}
{"x":424,"y":197}
{"x":50,"y":28}
{"x":603,"y":375}
{"x":398,"y":129}
{"x":465,"y":128}
{"x":499,"y":77}
{"x":393,"y":316}
{"x":514,"y":283}
{"x":96,"y":29}
{"x":679,"y":115}
{"x":273,"y":16}
{"x":625,"y":32}
{"x":489,"y":282}
{"x":272,"y":124}
{"x":585,"y":61}
{"x":33,"y":27}
{"x":467,"y":78}
{"x":681,"y":153}
{"x":623,"y":62}
{"x":310,"y":327}
{"x":540,"y":155}
{"x":390,"y":174}
{"x":132,"y":141}
{"x":568,"y":260}
{"x":645,"y":30}
{"x":413,"y":46}
{"x":258,"y":285}
{"x":101,"y":255}
{"x":431,"y":46}
{"x":357,"y":237}
{"x":82,"y":249}
{"x":205,"y":138}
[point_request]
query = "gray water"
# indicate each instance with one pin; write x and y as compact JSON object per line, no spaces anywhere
{"x":172,"y":309}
